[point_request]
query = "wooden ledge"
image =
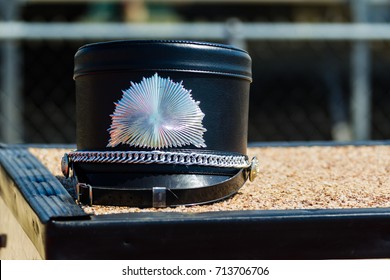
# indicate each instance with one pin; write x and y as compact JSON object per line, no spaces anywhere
{"x":60,"y":229}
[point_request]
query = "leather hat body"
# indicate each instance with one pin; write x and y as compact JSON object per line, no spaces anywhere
{"x":160,"y":123}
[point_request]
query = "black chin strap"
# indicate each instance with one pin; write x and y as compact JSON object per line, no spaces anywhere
{"x":160,"y":196}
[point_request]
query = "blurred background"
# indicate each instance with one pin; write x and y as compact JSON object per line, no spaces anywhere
{"x":320,"y":68}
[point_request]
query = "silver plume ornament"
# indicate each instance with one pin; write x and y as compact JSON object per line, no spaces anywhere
{"x":157,"y":113}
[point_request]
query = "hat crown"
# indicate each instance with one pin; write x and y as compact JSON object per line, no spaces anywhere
{"x":163,"y":55}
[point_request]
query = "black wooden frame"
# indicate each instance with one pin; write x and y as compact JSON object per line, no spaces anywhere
{"x":59,"y":229}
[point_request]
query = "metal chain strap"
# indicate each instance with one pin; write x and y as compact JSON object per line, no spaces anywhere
{"x":161,"y":157}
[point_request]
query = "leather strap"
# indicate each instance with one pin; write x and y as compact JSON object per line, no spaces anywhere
{"x":160,"y":196}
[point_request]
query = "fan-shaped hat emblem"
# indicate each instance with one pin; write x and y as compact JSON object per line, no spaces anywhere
{"x":157,"y":113}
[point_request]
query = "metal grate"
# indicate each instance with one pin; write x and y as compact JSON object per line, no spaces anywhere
{"x":290,"y":96}
{"x":301,"y":89}
{"x":48,"y":93}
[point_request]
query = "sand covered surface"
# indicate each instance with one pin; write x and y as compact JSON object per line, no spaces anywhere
{"x":290,"y":178}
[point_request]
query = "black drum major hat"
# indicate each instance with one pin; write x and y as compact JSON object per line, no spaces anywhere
{"x":160,"y":123}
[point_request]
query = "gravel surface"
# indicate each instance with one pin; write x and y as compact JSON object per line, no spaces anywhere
{"x":290,"y":178}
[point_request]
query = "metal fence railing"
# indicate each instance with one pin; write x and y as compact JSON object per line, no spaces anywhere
{"x":16,"y":36}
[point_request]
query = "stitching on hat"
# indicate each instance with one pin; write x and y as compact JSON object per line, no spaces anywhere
{"x":124,"y":43}
{"x":168,"y":70}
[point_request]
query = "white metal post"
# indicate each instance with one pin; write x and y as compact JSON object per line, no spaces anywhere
{"x":360,"y":78}
{"x":10,"y":82}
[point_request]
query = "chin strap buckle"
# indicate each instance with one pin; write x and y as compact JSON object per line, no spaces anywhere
{"x":79,"y":194}
{"x":159,"y":197}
